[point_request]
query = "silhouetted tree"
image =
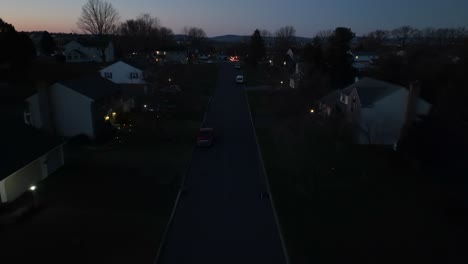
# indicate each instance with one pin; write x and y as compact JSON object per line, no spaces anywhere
{"x":404,"y":33}
{"x":339,"y":58}
{"x":313,"y":53}
{"x":98,"y":17}
{"x":196,"y":36}
{"x":285,"y":38}
{"x":17,"y":50}
{"x":47,"y":44}
{"x":256,"y":48}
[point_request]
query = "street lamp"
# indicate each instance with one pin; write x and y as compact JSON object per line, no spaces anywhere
{"x":281,"y":82}
{"x":312,"y":111}
{"x":284,"y":63}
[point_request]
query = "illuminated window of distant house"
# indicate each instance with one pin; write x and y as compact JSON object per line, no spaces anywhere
{"x":108,"y":75}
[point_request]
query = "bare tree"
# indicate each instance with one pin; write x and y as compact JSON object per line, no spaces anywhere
{"x":195,"y":35}
{"x":145,"y":25}
{"x":285,"y":37}
{"x":98,"y":17}
{"x":404,"y":33}
{"x":265,"y":33}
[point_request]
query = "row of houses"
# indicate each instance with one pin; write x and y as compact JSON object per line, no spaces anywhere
{"x":89,"y":106}
{"x":378,"y":111}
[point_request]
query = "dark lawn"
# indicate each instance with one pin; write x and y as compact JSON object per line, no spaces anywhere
{"x":197,"y":79}
{"x":340,"y":203}
{"x":109,"y":204}
{"x":265,"y":75}
{"x":112,"y":201}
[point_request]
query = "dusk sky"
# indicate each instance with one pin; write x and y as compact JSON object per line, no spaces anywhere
{"x":219,"y":17}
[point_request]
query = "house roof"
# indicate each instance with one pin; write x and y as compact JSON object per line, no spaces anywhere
{"x":331,"y":98}
{"x":21,"y":145}
{"x":97,"y":42}
{"x":131,"y":63}
{"x":371,"y":90}
{"x":94,"y":86}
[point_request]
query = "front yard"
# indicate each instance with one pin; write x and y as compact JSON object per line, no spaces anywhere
{"x":111,"y":202}
{"x":341,"y":203}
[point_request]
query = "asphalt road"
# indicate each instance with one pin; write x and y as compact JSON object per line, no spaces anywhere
{"x":222,"y":217}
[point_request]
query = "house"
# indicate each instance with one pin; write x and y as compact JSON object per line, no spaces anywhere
{"x":172,"y":55}
{"x":364,"y":60}
{"x":123,"y":73}
{"x":131,"y":79}
{"x":296,"y":72}
{"x":87,"y":106}
{"x":89,"y":50}
{"x":29,"y":157}
{"x":379,"y":111}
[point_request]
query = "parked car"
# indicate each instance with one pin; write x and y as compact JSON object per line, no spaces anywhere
{"x":205,"y":137}
{"x":239,"y":79}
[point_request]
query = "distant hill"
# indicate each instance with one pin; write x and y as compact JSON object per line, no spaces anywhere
{"x":238,"y":38}
{"x":230,"y":38}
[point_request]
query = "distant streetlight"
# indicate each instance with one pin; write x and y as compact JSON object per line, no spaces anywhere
{"x":32,"y":188}
{"x":284,"y":63}
{"x":312,"y":111}
{"x":282,"y":82}
{"x":170,"y":80}
{"x":145,"y":106}
{"x":107,"y":118}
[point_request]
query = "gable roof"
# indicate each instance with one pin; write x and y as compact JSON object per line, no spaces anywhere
{"x":21,"y":145}
{"x":127,"y":63}
{"x":94,"y":86}
{"x":95,"y":42}
{"x":371,"y":90}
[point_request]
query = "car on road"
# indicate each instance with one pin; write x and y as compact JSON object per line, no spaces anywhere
{"x":205,"y":137}
{"x":237,"y":66}
{"x":239,"y":79}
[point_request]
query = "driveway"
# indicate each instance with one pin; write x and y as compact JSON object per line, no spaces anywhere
{"x":222,"y":217}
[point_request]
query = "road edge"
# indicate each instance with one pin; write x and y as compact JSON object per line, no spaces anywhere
{"x":262,"y":164}
{"x":179,"y":193}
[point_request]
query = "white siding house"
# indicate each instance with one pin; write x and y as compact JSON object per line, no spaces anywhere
{"x":123,"y":73}
{"x":89,"y":51}
{"x":32,"y":156}
{"x":378,"y":110}
{"x":382,"y":122}
{"x":77,"y":107}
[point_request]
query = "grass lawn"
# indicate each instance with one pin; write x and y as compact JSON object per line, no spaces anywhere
{"x":340,"y":203}
{"x":111,"y":202}
{"x":264,"y":75}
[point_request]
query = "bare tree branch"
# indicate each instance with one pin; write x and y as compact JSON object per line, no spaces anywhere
{"x":98,"y":17}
